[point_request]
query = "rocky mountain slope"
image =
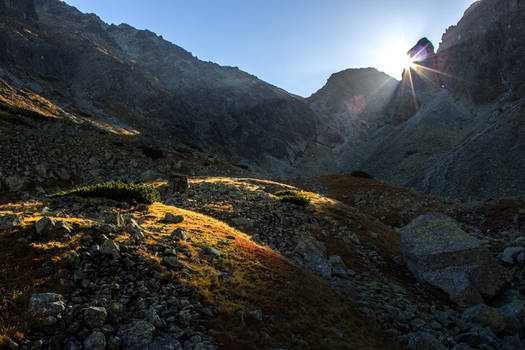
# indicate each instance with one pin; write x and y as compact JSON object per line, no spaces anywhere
{"x":467,"y":118}
{"x":135,"y":80}
{"x":460,"y":132}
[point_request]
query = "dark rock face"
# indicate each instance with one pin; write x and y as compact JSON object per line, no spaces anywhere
{"x":482,"y":55}
{"x":21,"y":9}
{"x":137,"y":81}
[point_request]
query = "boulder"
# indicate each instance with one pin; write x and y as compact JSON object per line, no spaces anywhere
{"x":136,"y":335}
{"x":423,"y":340}
{"x":10,"y":220}
{"x":484,"y":316}
{"x":44,"y":225}
{"x":510,"y":254}
{"x":177,"y":183}
{"x":437,"y":251}
{"x":173,"y":219}
{"x":96,"y":341}
{"x":47,"y":304}
{"x":110,"y":247}
{"x":95,"y":316}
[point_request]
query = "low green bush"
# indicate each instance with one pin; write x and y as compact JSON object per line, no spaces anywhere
{"x":362,"y":174}
{"x":117,"y":190}
{"x":294,"y":197}
{"x":285,"y":193}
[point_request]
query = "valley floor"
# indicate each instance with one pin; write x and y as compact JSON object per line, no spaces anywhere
{"x":228,"y":264}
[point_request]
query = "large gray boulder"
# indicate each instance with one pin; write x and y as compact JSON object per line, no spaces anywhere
{"x":437,"y":251}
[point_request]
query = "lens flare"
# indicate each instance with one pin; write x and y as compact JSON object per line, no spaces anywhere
{"x":409,"y":62}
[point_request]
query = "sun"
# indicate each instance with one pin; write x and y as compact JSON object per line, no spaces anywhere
{"x":409,"y":62}
{"x":393,"y":59}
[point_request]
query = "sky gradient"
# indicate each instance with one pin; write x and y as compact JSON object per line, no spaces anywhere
{"x":293,"y":44}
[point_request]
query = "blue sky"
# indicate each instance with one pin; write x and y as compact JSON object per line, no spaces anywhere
{"x":293,"y":44}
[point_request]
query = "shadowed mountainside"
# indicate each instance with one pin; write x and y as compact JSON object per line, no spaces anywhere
{"x":136,"y":80}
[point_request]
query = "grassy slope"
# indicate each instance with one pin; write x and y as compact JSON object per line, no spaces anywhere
{"x":295,"y":304}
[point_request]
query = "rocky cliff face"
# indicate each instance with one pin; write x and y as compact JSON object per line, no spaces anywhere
{"x":135,"y":80}
{"x":488,"y":38}
{"x":21,"y":9}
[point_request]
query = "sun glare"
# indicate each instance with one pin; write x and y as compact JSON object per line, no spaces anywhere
{"x":409,"y":62}
{"x":393,"y":59}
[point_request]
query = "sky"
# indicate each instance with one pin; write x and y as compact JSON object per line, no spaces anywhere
{"x":293,"y":44}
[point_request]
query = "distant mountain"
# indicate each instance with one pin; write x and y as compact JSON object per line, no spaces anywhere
{"x":460,"y":133}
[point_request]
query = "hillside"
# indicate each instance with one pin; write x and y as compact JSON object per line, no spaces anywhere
{"x":229,"y":268}
{"x":134,"y":80}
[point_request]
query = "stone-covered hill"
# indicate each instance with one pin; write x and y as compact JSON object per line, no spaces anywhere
{"x":226,"y":264}
{"x":135,"y":80}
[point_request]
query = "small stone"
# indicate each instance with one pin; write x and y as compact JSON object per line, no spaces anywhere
{"x":95,"y":316}
{"x":135,"y":229}
{"x":44,"y":225}
{"x":462,"y":346}
{"x":9,"y":343}
{"x":508,"y":254}
{"x":10,"y":220}
{"x":180,"y":234}
{"x":435,"y":325}
{"x":49,"y":321}
{"x":96,"y":341}
{"x":485,"y":316}
{"x":373,"y":235}
{"x":513,"y":343}
{"x":417,"y":323}
{"x":141,"y":207}
{"x":257,"y":314}
{"x":174,"y":219}
{"x":137,"y":335}
{"x":423,"y":340}
{"x":62,"y":228}
{"x":110,"y":247}
{"x":516,"y":308}
{"x":178,"y":183}
{"x":172,"y":262}
{"x":212,"y":252}
{"x":113,"y":343}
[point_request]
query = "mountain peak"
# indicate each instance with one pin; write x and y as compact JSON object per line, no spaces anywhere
{"x":422,"y":51}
